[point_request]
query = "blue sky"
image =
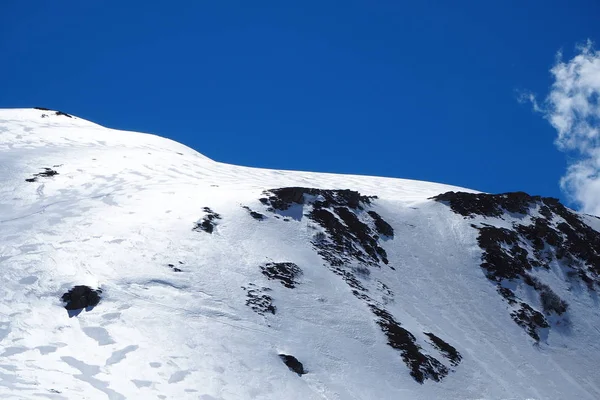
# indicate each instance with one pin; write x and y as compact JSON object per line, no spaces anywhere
{"x":422,"y":89}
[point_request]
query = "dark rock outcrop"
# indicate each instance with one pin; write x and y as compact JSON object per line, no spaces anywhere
{"x":284,"y":272}
{"x":336,"y":212}
{"x":81,"y":297}
{"x":448,"y":350}
{"x":256,"y":215}
{"x":421,"y":365}
{"x":258,"y":301}
{"x":46,"y":173}
{"x":382,"y":227}
{"x":293,"y":364}
{"x":174,"y":268}
{"x":283,"y":198}
{"x":55,"y":112}
{"x":208,"y":223}
{"x":64,"y":114}
{"x":531,"y":320}
{"x":542,"y":233}
{"x":350,"y":244}
{"x":489,"y":205}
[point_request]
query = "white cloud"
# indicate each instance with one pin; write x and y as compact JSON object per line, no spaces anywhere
{"x":528,"y":97}
{"x":573,"y":108}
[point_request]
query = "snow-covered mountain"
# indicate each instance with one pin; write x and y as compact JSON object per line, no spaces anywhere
{"x":134,"y":267}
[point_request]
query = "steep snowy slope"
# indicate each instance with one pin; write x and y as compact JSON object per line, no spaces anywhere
{"x":212,"y":277}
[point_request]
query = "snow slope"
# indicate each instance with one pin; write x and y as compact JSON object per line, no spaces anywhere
{"x":176,"y":319}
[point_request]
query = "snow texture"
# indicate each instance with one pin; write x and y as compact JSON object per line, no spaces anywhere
{"x":218,"y":282}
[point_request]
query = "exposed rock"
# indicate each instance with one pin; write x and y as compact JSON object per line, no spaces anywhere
{"x":511,"y":255}
{"x":56,"y":112}
{"x":448,"y":350}
{"x":293,"y":364}
{"x":174,"y":268}
{"x":209,"y":221}
{"x":47,"y":172}
{"x":63,"y":113}
{"x":335,"y":211}
{"x":421,"y":366}
{"x":551,"y":302}
{"x":256,"y":215}
{"x":387,"y":294}
{"x":503,"y":256}
{"x":349,"y":244}
{"x":283,"y":198}
{"x":81,"y":297}
{"x":382,"y":227}
{"x":258,"y":301}
{"x":285,"y":272}
{"x":530,"y":319}
{"x":489,"y":205}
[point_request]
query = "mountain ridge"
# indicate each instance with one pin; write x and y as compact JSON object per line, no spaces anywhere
{"x":223,"y":282}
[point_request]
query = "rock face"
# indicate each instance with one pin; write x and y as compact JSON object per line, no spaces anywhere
{"x":542,"y":234}
{"x":81,"y":297}
{"x":349,"y":242}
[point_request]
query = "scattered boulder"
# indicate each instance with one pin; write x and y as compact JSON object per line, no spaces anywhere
{"x":293,"y":364}
{"x":81,"y":297}
{"x":174,"y":268}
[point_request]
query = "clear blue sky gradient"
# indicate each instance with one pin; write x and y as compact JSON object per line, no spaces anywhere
{"x":421,"y":89}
